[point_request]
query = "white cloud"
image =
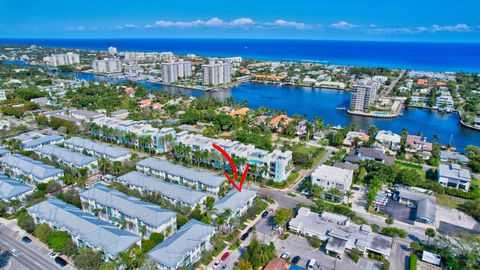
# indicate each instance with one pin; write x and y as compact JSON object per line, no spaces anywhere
{"x":284,"y":23}
{"x":422,"y":29}
{"x":242,"y":21}
{"x":343,"y":25}
{"x":77,"y":28}
{"x":461,"y":27}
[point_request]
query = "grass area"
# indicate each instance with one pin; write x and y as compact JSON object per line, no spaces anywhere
{"x":413,"y":166}
{"x":449,"y":202}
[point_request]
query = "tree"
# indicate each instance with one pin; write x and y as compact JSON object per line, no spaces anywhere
{"x":25,"y":221}
{"x":430,"y":232}
{"x":209,"y":202}
{"x":87,"y":259}
{"x":116,"y":167}
{"x":103,"y":164}
{"x":282,"y":216}
{"x":244,"y":264}
{"x":389,"y":221}
{"x":157,"y":237}
{"x":317,"y":191}
{"x":42,"y":232}
{"x":415,"y":246}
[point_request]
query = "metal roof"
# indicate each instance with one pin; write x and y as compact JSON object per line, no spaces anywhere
{"x":41,"y":141}
{"x":29,"y":166}
{"x":10,"y":188}
{"x":66,"y":155}
{"x":234,"y":200}
{"x":100,"y":148}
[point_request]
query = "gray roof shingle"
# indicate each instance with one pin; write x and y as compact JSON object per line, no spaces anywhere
{"x":66,"y":155}
{"x":101,"y":148}
{"x":10,"y":188}
{"x":30,"y":166}
{"x":234,"y":200}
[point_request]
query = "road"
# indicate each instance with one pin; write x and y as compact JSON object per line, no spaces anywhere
{"x":394,"y":83}
{"x":31,"y":256}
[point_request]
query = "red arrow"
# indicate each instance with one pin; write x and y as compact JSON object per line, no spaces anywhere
{"x":234,"y":168}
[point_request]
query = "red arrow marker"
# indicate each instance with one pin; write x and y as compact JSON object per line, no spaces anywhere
{"x":234,"y":168}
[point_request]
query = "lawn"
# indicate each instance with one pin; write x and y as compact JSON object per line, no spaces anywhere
{"x":411,"y":166}
{"x":449,"y":202}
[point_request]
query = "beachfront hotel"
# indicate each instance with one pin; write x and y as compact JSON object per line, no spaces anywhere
{"x":183,"y":248}
{"x":363,"y":94}
{"x":85,"y":229}
{"x":97,"y":150}
{"x":131,"y":213}
{"x":165,"y":170}
{"x":25,"y":168}
{"x":276,"y":165}
{"x":68,"y":157}
{"x":175,"y":194}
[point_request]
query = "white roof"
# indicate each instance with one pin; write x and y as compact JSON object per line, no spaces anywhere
{"x":331,"y":173}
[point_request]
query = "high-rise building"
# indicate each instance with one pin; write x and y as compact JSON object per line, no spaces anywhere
{"x":215,"y":74}
{"x":171,"y":72}
{"x":364,"y":93}
{"x":112,"y":50}
{"x":64,"y":59}
{"x":107,"y":66}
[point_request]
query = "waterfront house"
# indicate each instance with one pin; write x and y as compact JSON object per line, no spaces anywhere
{"x":329,"y":178}
{"x":98,"y":150}
{"x":25,"y":168}
{"x":240,"y":112}
{"x":279,"y":122}
{"x":355,"y":136}
{"x":449,"y":157}
{"x":85,"y":229}
{"x":68,"y":157}
{"x":131,"y":213}
{"x":419,"y":146}
{"x":183,"y":248}
{"x":477,"y":122}
{"x":388,"y":139}
{"x":454,"y":176}
{"x":175,"y":194}
{"x":201,"y":180}
{"x":237,"y":202}
{"x":11,"y":189}
{"x":364,"y":153}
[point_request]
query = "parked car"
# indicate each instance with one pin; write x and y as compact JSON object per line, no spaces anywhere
{"x":14,"y":252}
{"x":26,"y":240}
{"x":285,"y":256}
{"x":225,"y":256}
{"x":224,"y":267}
{"x":244,"y":236}
{"x":52,"y":255}
{"x":264,"y":214}
{"x":60,"y":261}
{"x":296,"y":259}
{"x":217,"y":264}
{"x":311,"y":263}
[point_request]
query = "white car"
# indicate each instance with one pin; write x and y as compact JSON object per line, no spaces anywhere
{"x":52,"y":255}
{"x":14,"y":252}
{"x":285,"y":255}
{"x":311,"y":263}
{"x":217,"y":264}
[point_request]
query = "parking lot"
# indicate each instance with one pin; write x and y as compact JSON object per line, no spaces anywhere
{"x":400,"y":212}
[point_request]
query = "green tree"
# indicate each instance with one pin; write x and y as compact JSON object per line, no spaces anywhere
{"x":157,"y":237}
{"x":430,"y":232}
{"x":42,"y":232}
{"x":389,"y":221}
{"x":282,"y":216}
{"x":87,"y":259}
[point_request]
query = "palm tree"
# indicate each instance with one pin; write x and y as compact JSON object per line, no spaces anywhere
{"x":116,"y":167}
{"x":349,"y":195}
{"x":103,"y":164}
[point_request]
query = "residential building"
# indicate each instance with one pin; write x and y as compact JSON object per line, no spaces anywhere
{"x":29,"y":145}
{"x":453,"y":176}
{"x":448,"y":157}
{"x":185,"y":247}
{"x":86,"y":115}
{"x":388,"y":139}
{"x":25,"y":168}
{"x":363,"y":95}
{"x":140,"y":217}
{"x":215,"y":74}
{"x":329,"y":177}
{"x":69,"y":158}
{"x":107,"y":66}
{"x":364,"y":153}
{"x":63,"y":59}
{"x":275,"y":165}
{"x":425,"y":204}
{"x":419,"y":146}
{"x":340,"y":233}
{"x":85,"y":229}
{"x":98,"y":150}
{"x":237,"y":202}
{"x":167,"y":56}
{"x":11,"y":189}
{"x":201,"y":180}
{"x":355,"y":137}
{"x":173,"y":71}
{"x":277,"y":264}
{"x":173,"y":193}
{"x":477,"y":122}
{"x":120,"y":114}
{"x":112,"y":51}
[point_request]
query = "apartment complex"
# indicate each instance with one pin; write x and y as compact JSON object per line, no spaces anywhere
{"x":97,"y":150}
{"x":68,"y":157}
{"x":40,"y":141}
{"x":363,"y":94}
{"x":237,"y":202}
{"x":276,"y":165}
{"x":107,"y":66}
{"x":179,"y":174}
{"x":454,"y":176}
{"x":173,"y":71}
{"x":25,"y":168}
{"x":11,"y":189}
{"x":64,"y":59}
{"x":137,"y":216}
{"x":175,"y":194}
{"x":329,"y":177}
{"x":215,"y":74}
{"x":183,"y":248}
{"x":85,"y":229}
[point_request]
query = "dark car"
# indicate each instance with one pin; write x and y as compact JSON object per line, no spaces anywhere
{"x":60,"y":261}
{"x":296,"y":259}
{"x":250,"y":230}
{"x":244,"y":236}
{"x":265,"y":214}
{"x":26,"y":240}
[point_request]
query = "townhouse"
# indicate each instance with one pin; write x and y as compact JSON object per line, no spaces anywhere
{"x":97,"y":150}
{"x":85,"y":229}
{"x":175,"y":194}
{"x":68,"y":157}
{"x":32,"y":144}
{"x":237,"y":202}
{"x":329,"y":178}
{"x":134,"y":215}
{"x":276,"y":165}
{"x":171,"y":172}
{"x":184,"y":248}
{"x":25,"y":168}
{"x":454,"y":176}
{"x":11,"y":189}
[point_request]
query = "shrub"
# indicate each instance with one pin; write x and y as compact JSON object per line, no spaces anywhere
{"x":157,"y":237}
{"x":413,"y":262}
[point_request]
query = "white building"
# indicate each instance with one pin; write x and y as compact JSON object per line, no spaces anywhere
{"x":25,"y":168}
{"x":453,"y":176}
{"x":167,"y":56}
{"x":388,"y":139}
{"x":215,"y":74}
{"x":112,"y":51}
{"x":329,"y":177}
{"x":64,"y":59}
{"x":68,"y":157}
{"x":98,"y":150}
{"x":173,"y":71}
{"x":237,"y":202}
{"x":107,"y":66}
{"x":364,"y":93}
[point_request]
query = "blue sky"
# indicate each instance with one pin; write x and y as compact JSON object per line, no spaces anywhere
{"x":406,"y":20}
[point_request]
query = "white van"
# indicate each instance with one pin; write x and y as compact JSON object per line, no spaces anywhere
{"x":311,"y":264}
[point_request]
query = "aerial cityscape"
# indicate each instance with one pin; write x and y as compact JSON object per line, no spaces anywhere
{"x":253,"y":135}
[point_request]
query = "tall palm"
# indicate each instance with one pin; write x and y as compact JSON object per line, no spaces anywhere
{"x":103,"y":165}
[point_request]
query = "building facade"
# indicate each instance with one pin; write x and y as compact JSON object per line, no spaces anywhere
{"x":215,"y":74}
{"x":363,"y":94}
{"x":107,"y":66}
{"x":64,"y":59}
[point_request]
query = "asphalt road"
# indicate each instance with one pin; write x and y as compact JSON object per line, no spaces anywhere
{"x":29,"y":257}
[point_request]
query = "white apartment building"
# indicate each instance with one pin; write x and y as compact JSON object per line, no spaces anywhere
{"x":25,"y":168}
{"x":139,"y":217}
{"x":173,"y":71}
{"x":329,"y":177}
{"x":364,"y":93}
{"x":68,"y":157}
{"x":107,"y":66}
{"x":275,"y":165}
{"x":64,"y":59}
{"x":98,"y":150}
{"x":215,"y":74}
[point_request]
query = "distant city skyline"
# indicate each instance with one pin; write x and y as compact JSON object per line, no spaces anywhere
{"x":407,"y":20}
